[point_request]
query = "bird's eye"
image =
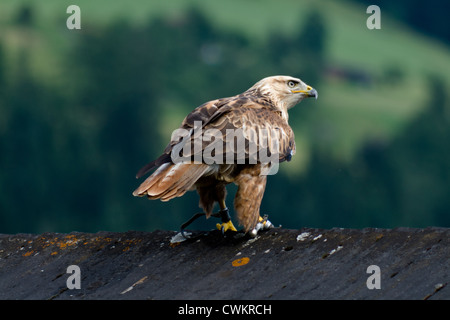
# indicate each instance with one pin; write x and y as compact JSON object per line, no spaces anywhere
{"x":291,"y":84}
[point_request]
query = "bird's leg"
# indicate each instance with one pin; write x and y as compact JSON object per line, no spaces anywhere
{"x":226,"y":219}
{"x":263,"y":224}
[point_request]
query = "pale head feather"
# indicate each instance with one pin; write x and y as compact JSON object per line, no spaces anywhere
{"x":284,"y":91}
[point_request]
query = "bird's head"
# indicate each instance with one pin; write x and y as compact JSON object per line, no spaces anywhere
{"x":285,"y":91}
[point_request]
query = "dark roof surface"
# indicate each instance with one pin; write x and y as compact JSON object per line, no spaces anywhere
{"x":277,"y":264}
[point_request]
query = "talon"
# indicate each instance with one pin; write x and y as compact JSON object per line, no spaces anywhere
{"x":263,"y":224}
{"x":226,"y":221}
{"x":224,"y":227}
{"x":266,"y":224}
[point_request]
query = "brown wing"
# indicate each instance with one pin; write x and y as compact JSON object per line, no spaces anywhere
{"x":264,"y":132}
{"x":236,"y":130}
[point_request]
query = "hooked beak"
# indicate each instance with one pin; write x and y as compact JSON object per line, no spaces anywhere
{"x":309,"y":92}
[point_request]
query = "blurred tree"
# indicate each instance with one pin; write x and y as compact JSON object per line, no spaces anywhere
{"x":304,"y":53}
{"x":2,"y":70}
{"x":402,"y":183}
{"x":422,"y":160}
{"x":24,"y":149}
{"x":312,"y":41}
{"x":3,"y":130}
{"x":118,"y":97}
{"x":25,"y":16}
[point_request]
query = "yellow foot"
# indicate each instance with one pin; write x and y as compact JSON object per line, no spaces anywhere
{"x":262,"y":224}
{"x":224,"y":227}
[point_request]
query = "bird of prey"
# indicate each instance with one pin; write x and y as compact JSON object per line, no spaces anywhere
{"x":229,"y":140}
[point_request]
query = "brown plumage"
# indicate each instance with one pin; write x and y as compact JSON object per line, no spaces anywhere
{"x":211,"y":157}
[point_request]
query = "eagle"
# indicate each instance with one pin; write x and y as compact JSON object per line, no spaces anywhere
{"x":239,"y":139}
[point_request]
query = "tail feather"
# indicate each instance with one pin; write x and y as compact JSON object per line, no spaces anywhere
{"x":151,"y":180}
{"x":171,"y":180}
{"x":179,"y":187}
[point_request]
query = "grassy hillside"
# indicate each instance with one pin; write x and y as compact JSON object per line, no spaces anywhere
{"x":345,"y":115}
{"x":350,"y":42}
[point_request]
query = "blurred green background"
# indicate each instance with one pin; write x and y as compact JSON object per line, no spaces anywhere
{"x":82,"y":110}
